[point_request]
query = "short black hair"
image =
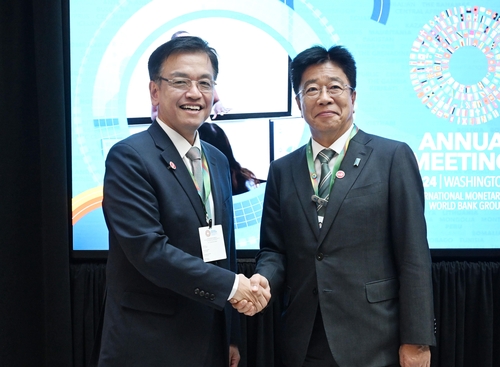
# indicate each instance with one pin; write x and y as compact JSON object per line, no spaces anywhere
{"x":180,"y":45}
{"x":316,"y":55}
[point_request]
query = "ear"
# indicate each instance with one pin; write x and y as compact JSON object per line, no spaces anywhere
{"x":154,"y":92}
{"x":353,"y":97}
{"x":297,"y":100}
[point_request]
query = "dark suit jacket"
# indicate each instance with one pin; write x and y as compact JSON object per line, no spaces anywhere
{"x":161,"y":296}
{"x":368,"y":268}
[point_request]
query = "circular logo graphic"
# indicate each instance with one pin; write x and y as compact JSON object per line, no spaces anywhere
{"x":455,"y":65}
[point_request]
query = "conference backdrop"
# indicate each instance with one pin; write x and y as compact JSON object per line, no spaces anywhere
{"x":428,"y":74}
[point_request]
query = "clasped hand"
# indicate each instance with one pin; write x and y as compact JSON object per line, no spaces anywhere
{"x":252,"y":295}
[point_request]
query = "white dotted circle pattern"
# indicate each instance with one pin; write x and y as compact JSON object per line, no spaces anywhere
{"x":431,"y":78}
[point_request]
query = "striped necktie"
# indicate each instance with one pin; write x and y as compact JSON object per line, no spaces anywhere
{"x":194,"y":156}
{"x":326,"y":176}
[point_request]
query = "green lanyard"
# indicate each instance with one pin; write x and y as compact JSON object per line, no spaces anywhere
{"x":310,"y":162}
{"x":206,"y":177}
{"x":207,"y":189}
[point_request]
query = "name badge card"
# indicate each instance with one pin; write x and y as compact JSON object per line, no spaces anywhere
{"x":213,"y":247}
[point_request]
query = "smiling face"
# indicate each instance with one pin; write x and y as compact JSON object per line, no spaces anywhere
{"x":183,"y":110}
{"x":328,"y":117}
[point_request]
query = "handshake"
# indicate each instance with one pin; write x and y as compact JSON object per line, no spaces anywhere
{"x":252,"y":295}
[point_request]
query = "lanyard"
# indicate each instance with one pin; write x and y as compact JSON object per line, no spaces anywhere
{"x":310,"y":162}
{"x":206,"y":177}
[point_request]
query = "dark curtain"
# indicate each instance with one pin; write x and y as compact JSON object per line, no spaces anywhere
{"x":466,"y":302}
{"x":35,"y":316}
{"x":88,"y":281}
{"x":467,"y":307}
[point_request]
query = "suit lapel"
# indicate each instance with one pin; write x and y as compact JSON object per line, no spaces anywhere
{"x":305,"y":190}
{"x":175,"y":166}
{"x":357,"y":149}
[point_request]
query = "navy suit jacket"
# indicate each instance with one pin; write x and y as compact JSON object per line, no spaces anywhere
{"x":161,"y":296}
{"x":368,"y":268}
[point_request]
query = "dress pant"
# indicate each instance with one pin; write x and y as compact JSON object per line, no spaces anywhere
{"x":318,"y":352}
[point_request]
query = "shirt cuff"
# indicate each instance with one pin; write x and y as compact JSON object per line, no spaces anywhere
{"x":235,"y":286}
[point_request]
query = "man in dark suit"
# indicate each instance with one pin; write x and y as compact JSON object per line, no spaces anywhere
{"x":171,"y":264}
{"x":347,"y":246}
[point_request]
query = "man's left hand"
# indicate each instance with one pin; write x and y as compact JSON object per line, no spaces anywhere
{"x":234,"y":356}
{"x":411,"y":355}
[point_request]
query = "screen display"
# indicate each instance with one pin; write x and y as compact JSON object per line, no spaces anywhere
{"x":428,"y":75}
{"x":249,"y":59}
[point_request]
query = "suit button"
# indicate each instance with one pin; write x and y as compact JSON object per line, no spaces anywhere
{"x":202,"y":293}
{"x":212,"y":297}
{"x":320,"y":256}
{"x":315,"y":291}
{"x":197,"y":290}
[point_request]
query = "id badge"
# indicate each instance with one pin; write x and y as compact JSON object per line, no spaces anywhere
{"x":213,"y":247}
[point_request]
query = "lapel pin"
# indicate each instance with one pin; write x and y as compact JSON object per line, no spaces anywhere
{"x":340,"y":174}
{"x":356,"y":162}
{"x":172,"y":165}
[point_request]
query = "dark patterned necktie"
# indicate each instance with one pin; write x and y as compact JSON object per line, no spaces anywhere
{"x":326,"y":176}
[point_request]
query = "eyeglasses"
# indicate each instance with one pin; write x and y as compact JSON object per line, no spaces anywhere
{"x":333,"y":90}
{"x":204,"y":85}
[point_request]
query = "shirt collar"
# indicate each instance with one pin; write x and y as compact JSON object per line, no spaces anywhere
{"x":180,"y":143}
{"x":337,"y":145}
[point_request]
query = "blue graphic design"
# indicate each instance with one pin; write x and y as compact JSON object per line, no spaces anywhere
{"x":247,"y":215}
{"x":381,"y":10}
{"x":288,"y":2}
{"x":430,"y":77}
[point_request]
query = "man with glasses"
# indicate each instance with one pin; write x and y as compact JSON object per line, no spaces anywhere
{"x":171,"y":268}
{"x":343,"y":233}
